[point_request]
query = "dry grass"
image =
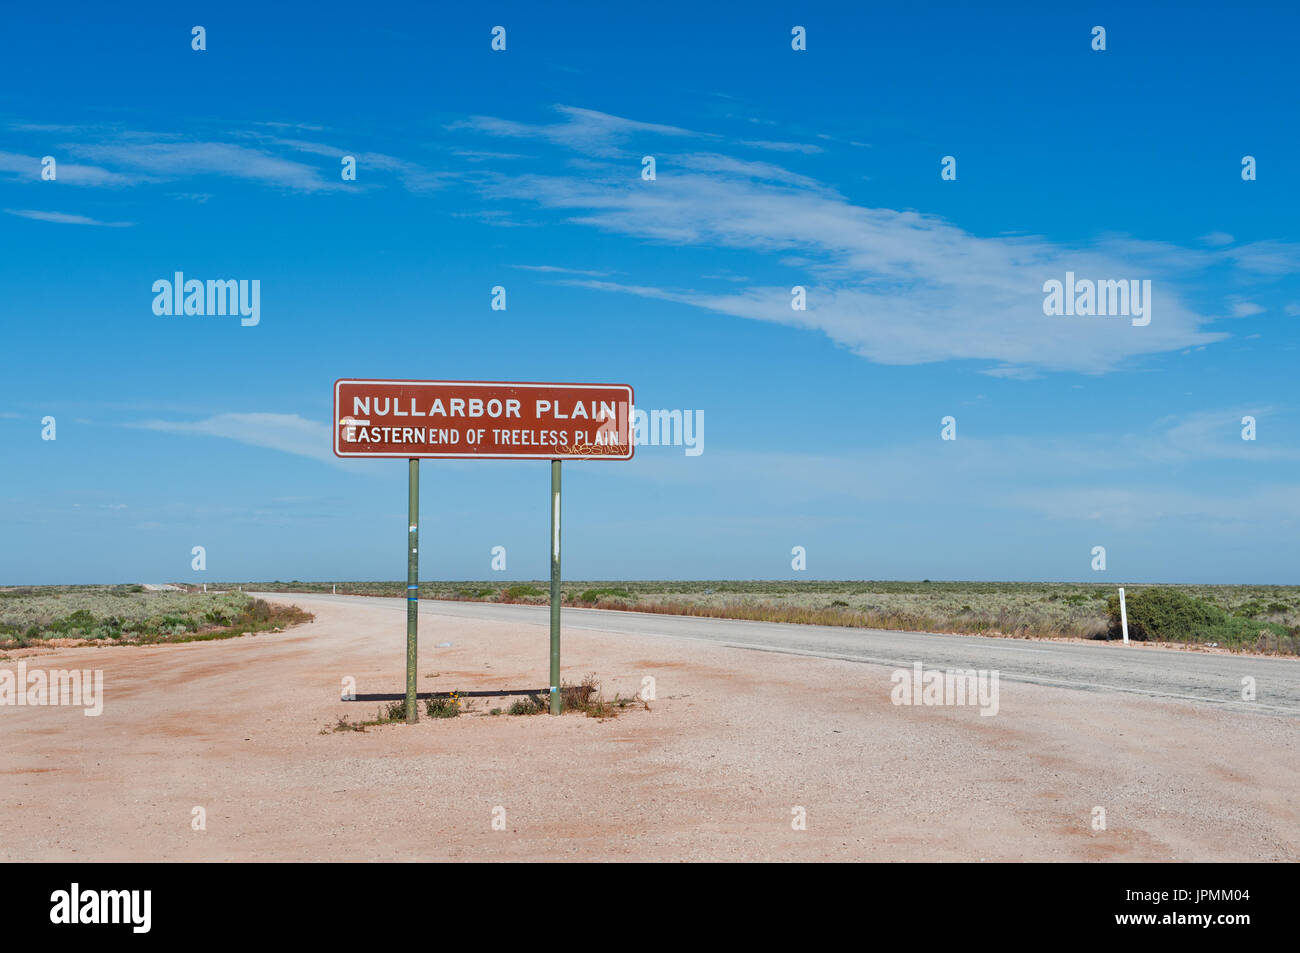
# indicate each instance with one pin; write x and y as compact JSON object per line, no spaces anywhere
{"x":1022,"y":621}
{"x":531,"y":705}
{"x":125,"y":615}
{"x":586,"y":697}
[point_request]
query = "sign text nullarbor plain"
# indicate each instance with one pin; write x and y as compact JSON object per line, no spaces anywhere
{"x":475,"y":407}
{"x":482,"y":419}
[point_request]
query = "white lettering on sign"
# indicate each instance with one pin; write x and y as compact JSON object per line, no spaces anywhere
{"x":389,"y":406}
{"x":601,"y":410}
{"x":475,"y":407}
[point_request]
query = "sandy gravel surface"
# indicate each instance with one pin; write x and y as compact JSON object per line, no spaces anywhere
{"x":733,"y":742}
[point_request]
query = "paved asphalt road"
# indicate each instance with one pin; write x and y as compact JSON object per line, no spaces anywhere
{"x":1193,"y":676}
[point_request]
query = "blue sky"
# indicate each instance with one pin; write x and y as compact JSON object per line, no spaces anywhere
{"x":775,"y":168}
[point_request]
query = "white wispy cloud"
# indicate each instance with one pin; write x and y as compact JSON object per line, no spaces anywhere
{"x":63,"y":218}
{"x":741,"y":168}
{"x":1131,"y":479}
{"x":1142,"y":506}
{"x":1270,"y":258}
{"x":556,"y":269}
{"x":412,"y":175}
{"x":289,"y":125}
{"x":583,"y":130}
{"x":479,"y":155}
{"x":895,"y":286}
{"x":289,"y":433}
{"x":1209,"y":435}
{"x":804,"y":147}
{"x":166,"y":158}
{"x":1217,"y":238}
{"x":130,"y":157}
{"x":601,"y":134}
{"x":67,"y":173}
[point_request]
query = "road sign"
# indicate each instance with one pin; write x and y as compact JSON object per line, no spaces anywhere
{"x":482,"y":420}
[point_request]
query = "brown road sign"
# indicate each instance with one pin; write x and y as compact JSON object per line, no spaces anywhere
{"x":482,"y":420}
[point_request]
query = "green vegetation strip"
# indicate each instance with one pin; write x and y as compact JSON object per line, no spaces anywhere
{"x":132,"y":615}
{"x":1254,"y":618}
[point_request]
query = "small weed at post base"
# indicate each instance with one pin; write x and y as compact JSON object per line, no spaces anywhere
{"x":443,"y":707}
{"x":586,"y":698}
{"x":396,"y":711}
{"x":532,"y":705}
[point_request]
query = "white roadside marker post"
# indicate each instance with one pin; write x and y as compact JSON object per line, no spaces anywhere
{"x":1123,"y":614}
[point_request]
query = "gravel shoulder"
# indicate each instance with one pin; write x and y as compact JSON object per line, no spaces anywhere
{"x":734,"y":742}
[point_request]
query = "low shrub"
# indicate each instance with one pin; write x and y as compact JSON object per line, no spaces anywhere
{"x":595,"y":595}
{"x":532,"y":705}
{"x":441,"y":707}
{"x":521,"y":592}
{"x":1170,"y":615}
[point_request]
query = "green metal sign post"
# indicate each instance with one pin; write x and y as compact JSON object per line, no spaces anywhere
{"x":557,"y":701}
{"x":412,"y":585}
